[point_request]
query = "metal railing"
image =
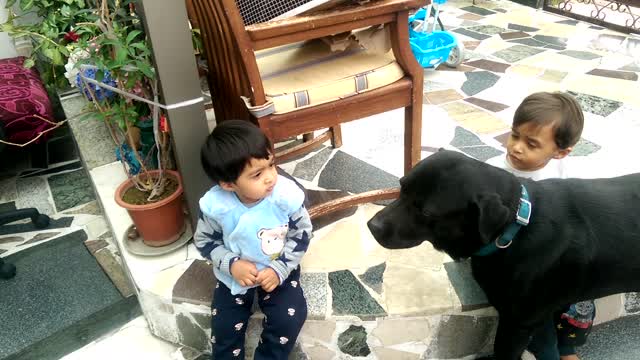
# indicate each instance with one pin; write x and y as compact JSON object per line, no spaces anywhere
{"x":620,"y":15}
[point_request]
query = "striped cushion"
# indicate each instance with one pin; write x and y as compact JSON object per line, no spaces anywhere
{"x":308,"y":74}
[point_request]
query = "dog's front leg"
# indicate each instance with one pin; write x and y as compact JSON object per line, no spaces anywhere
{"x":511,"y":340}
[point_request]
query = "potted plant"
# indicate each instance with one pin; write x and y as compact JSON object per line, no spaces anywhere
{"x":111,"y":65}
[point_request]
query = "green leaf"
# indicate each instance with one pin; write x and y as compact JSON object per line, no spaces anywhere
{"x":131,"y":81}
{"x":132,"y":35}
{"x":10,"y":3}
{"x":26,"y":4}
{"x":66,"y":11}
{"x":69,"y":1}
{"x":80,"y":3}
{"x":146,"y":69}
{"x":29,"y":63}
{"x":54,"y":55}
{"x":121,"y":55}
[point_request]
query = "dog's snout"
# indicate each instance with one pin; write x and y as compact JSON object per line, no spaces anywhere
{"x":378,"y":228}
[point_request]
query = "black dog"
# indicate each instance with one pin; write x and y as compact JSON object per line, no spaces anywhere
{"x":582,"y":241}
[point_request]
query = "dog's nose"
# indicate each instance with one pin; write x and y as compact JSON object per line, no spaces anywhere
{"x":378,"y":228}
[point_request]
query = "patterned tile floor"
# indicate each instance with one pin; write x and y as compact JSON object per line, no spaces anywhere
{"x":512,"y":51}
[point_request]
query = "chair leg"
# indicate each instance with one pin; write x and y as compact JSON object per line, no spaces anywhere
{"x":307,"y":137}
{"x":336,"y":136}
{"x":412,"y":136}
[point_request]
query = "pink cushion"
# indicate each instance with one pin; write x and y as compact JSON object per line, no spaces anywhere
{"x":22,"y":95}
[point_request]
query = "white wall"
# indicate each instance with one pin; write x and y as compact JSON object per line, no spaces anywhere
{"x":7,"y":49}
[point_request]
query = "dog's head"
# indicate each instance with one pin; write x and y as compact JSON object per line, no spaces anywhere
{"x":455,"y":202}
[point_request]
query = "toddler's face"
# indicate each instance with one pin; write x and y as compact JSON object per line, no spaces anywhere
{"x":256,"y":181}
{"x":531,"y":146}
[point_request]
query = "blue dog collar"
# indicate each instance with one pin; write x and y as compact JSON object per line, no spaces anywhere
{"x":522,"y":219}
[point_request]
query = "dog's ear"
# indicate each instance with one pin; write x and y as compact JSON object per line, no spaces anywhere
{"x":492,"y":215}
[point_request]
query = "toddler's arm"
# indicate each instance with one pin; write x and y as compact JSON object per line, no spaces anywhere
{"x":298,"y":237}
{"x":208,"y":241}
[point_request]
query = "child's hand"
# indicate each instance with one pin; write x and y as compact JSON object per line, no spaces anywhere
{"x":245,"y":272}
{"x":268,"y":279}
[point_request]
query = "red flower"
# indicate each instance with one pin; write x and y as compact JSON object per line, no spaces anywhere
{"x":71,"y":36}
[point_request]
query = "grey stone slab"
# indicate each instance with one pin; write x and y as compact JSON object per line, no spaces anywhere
{"x":114,"y":270}
{"x":622,"y":75}
{"x":522,"y":27}
{"x":53,"y":302}
{"x":348,"y":173}
{"x":351,"y":298}
{"x":582,"y":55}
{"x":567,"y":22}
{"x":469,"y":292}
{"x":8,"y":191}
{"x":595,"y":104}
{"x":353,"y":341}
{"x":617,"y":339}
{"x":513,"y":35}
{"x":596,"y":27}
{"x":471,"y":34}
{"x":552,"y":40}
{"x":91,"y":208}
{"x":94,"y":245}
{"x":555,"y":47}
{"x":315,"y":287}
{"x":632,"y":302}
{"x":71,"y":189}
{"x":486,"y":104}
{"x":528,"y":42}
{"x":34,"y":193}
{"x":478,"y":81}
{"x":92,"y":136}
{"x":200,"y":273}
{"x":11,"y":239}
{"x":465,"y":138}
{"x":41,"y":237}
{"x":487,"y":29}
{"x":634,"y":66}
{"x":190,"y":333}
{"x":477,"y":10}
{"x":373,"y":277}
{"x":314,"y":197}
{"x":62,"y":222}
{"x":516,"y":53}
{"x":585,"y":147}
{"x":309,"y":168}
{"x":489,"y":65}
{"x":459,"y":336}
{"x":500,"y":10}
{"x":608,"y":42}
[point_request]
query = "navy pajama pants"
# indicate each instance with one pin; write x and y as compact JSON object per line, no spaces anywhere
{"x":561,"y":335}
{"x":285,"y":310}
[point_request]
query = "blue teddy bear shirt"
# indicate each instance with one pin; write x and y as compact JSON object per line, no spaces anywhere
{"x":274,"y":233}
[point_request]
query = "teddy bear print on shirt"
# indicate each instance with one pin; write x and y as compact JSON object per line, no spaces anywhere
{"x":272,"y":240}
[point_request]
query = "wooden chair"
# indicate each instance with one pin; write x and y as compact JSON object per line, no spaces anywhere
{"x":242,"y":63}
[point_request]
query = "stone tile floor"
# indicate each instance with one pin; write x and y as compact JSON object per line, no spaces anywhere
{"x":512,"y":51}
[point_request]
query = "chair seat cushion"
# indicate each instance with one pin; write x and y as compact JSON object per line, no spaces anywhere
{"x":307,"y":74}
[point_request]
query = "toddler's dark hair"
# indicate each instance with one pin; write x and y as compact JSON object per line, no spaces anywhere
{"x":230,"y":147}
{"x":560,"y":109}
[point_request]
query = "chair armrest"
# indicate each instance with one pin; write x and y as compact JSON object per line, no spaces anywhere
{"x":333,"y":21}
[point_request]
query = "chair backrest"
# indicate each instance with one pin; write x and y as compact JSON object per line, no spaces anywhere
{"x":255,"y":12}
{"x":227,"y":74}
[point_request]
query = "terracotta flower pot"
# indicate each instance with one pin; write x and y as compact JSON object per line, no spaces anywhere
{"x":159,"y":223}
